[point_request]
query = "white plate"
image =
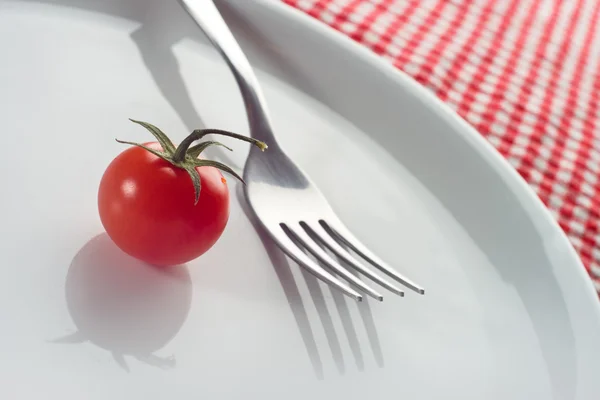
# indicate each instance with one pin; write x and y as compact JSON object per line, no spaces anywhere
{"x":509,"y":311}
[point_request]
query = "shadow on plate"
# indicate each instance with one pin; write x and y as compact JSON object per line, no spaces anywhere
{"x":124,"y":305}
{"x":93,"y":279}
{"x":282,"y":268}
{"x":162,"y":25}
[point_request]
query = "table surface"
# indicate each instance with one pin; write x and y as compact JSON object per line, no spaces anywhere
{"x":524,"y":73}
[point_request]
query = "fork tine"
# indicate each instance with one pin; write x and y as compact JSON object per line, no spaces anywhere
{"x":300,"y":236}
{"x":294,"y":252}
{"x":320,"y":235}
{"x":343,"y":235}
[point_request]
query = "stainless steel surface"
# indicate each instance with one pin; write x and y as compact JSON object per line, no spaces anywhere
{"x":285,"y":201}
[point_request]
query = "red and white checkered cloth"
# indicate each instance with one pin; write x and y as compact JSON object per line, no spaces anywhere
{"x":525,"y":73}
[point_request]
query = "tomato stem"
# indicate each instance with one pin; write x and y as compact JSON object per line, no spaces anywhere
{"x":181,"y":151}
{"x":186,"y":157}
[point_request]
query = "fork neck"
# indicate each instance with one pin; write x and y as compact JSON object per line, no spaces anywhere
{"x":259,"y":121}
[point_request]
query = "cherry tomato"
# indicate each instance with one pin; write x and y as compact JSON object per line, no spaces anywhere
{"x":164,"y":204}
{"x":146,"y":205}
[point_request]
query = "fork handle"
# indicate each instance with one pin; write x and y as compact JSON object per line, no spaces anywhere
{"x":207,"y":17}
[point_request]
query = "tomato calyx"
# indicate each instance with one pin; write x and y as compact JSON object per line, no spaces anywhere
{"x":185,"y":156}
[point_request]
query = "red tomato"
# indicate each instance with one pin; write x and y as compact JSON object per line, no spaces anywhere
{"x":146,"y":205}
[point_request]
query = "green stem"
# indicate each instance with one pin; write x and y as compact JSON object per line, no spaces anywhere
{"x":186,"y":157}
{"x":180,"y":152}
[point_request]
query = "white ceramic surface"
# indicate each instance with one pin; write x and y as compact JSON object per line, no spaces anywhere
{"x":509,"y":312}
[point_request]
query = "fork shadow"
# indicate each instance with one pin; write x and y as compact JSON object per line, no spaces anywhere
{"x":162,"y":25}
{"x":364,"y":308}
{"x":155,"y":39}
{"x":283,"y":270}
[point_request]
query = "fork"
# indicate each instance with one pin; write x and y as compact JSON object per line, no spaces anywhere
{"x":288,"y":205}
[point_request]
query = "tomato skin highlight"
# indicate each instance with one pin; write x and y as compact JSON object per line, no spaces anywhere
{"x":146,"y":206}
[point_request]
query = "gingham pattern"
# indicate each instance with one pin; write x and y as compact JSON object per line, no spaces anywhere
{"x":525,"y":73}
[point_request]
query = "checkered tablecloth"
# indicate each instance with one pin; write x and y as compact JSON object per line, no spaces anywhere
{"x":524,"y":73}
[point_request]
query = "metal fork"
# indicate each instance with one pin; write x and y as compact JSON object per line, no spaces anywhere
{"x":285,"y":201}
